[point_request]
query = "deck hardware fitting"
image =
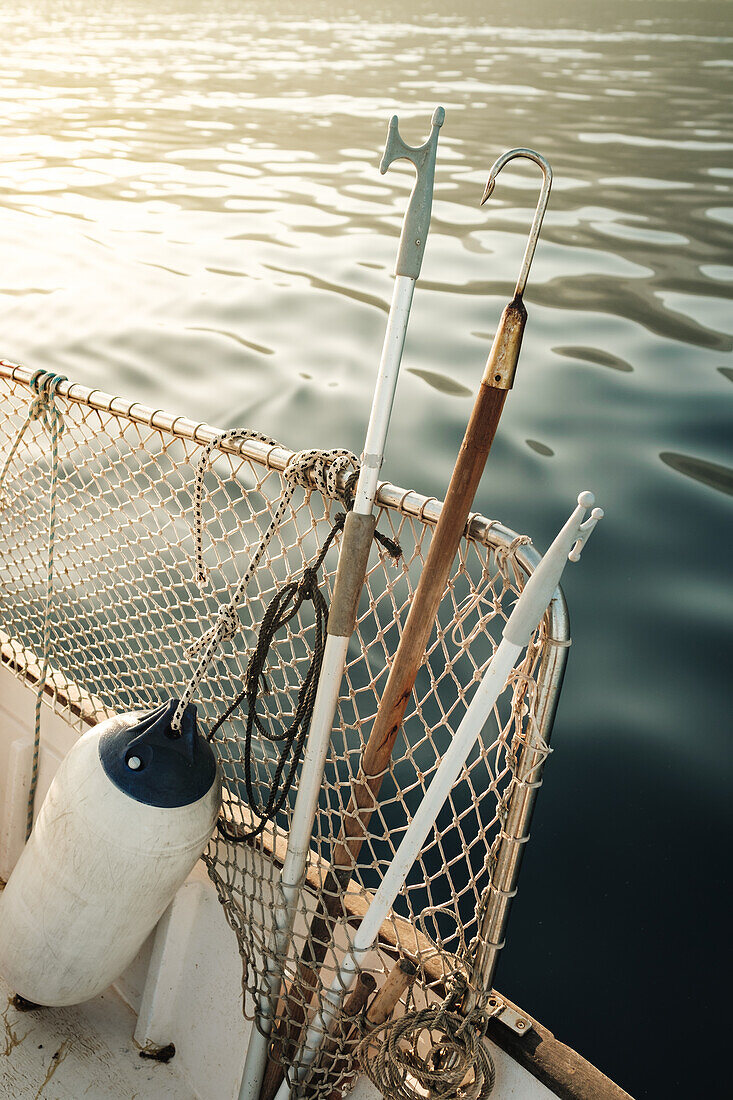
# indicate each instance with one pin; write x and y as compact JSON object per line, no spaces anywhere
{"x":512,"y":1019}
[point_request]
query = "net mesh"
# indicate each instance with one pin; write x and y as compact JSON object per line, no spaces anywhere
{"x":126,"y":608}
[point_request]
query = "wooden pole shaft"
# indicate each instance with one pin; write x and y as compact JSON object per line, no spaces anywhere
{"x":420,"y":621}
{"x":364,"y":986}
{"x":399,"y":979}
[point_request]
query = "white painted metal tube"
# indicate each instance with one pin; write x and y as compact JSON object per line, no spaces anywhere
{"x":256,"y":1060}
{"x":384,"y":391}
{"x":527,"y":614}
{"x":334,"y":659}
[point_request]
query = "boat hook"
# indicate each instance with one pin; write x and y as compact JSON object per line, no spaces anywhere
{"x":534,"y":232}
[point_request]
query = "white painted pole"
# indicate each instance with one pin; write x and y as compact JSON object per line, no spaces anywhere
{"x":324,"y":708}
{"x":384,"y":391}
{"x":412,"y":244}
{"x":527,"y":614}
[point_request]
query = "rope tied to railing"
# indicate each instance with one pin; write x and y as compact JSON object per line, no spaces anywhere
{"x":44,"y":385}
{"x":42,"y":407}
{"x":312,"y":469}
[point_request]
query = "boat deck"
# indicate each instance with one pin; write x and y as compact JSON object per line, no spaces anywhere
{"x":83,"y":1051}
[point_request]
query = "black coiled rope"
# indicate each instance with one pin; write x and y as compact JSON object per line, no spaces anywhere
{"x":283,"y":607}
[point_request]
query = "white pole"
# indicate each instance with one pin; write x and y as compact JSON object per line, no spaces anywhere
{"x":384,"y":391}
{"x":412,"y":245}
{"x":527,"y":614}
{"x":324,"y":707}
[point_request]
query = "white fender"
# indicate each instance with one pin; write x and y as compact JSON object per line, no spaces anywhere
{"x":101,"y":866}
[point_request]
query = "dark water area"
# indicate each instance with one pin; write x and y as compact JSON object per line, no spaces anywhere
{"x":191,"y":214}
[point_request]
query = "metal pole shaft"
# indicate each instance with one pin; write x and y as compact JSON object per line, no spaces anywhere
{"x":394,"y":342}
{"x":503,"y":884}
{"x":319,"y":736}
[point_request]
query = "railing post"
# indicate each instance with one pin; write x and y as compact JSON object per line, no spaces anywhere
{"x":503,"y":884}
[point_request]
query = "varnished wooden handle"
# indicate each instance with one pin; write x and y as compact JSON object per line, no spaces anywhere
{"x":420,"y":621}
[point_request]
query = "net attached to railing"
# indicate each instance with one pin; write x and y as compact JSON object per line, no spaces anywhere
{"x":126,"y":607}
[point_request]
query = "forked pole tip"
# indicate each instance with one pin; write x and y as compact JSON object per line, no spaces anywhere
{"x":585,"y":500}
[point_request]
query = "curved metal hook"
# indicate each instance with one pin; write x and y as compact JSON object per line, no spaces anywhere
{"x":534,"y":232}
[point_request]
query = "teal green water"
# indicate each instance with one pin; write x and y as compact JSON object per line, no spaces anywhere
{"x":191,"y":214}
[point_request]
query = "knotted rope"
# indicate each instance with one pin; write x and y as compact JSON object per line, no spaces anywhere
{"x":433,"y":1053}
{"x":310,"y":469}
{"x":282,"y":608}
{"x":44,"y":385}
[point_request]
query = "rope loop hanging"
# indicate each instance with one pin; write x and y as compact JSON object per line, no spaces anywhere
{"x":44,"y":385}
{"x":311,"y":469}
{"x":284,"y":606}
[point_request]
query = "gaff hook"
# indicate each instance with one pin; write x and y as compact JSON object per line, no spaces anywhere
{"x":534,"y":232}
{"x":504,"y":354}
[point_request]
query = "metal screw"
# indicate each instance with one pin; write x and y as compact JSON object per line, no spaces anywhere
{"x":521,"y":1024}
{"x":134,"y":762}
{"x":417,"y":243}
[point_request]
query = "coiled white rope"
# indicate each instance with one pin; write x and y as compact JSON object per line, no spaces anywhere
{"x":42,"y":407}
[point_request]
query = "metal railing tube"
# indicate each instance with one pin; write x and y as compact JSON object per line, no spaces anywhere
{"x":503,"y":885}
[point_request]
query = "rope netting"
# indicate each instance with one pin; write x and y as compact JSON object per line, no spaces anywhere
{"x":127,"y":609}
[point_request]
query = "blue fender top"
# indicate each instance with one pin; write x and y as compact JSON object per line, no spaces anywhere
{"x":169,"y":769}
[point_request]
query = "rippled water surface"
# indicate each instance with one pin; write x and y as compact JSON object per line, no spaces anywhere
{"x":191,"y":214}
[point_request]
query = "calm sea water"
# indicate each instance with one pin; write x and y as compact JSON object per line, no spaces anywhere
{"x":191,"y":214}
